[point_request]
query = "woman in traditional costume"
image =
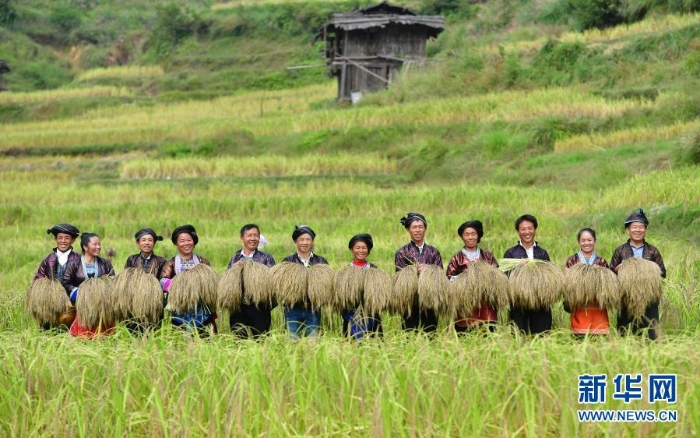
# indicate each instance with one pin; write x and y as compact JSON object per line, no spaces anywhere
{"x":253,"y":319}
{"x":356,"y":324}
{"x":471,"y":233}
{"x":185,"y":238}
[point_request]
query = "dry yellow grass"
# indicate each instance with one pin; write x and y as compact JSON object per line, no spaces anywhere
{"x":536,"y":284}
{"x":320,"y":286}
{"x":481,"y":283}
{"x":434,"y":290}
{"x":290,"y":283}
{"x":405,"y":291}
{"x":349,"y":284}
{"x":378,"y":290}
{"x":93,"y":305}
{"x":257,"y":284}
{"x":640,"y":284}
{"x":47,"y":300}
{"x":230,"y":289}
{"x":122,"y":293}
{"x":146,"y":298}
{"x":586,"y":283}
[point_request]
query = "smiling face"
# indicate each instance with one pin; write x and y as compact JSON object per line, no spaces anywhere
{"x":470,"y":238}
{"x":360,"y":251}
{"x":250,"y":240}
{"x":526,"y":232}
{"x":146,"y":244}
{"x":637,"y":232}
{"x":304,"y":244}
{"x":185,"y":245}
{"x":64,"y":241}
{"x":93,"y":247}
{"x":587,"y":243}
{"x":417,"y":232}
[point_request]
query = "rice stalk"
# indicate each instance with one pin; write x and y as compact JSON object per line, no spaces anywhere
{"x":208,"y":284}
{"x":590,"y":283}
{"x":47,"y":300}
{"x":146,"y":298}
{"x":183,"y":295}
{"x":320,"y":286}
{"x":93,"y":305}
{"x":289,"y":282}
{"x":349,"y":284}
{"x":405,"y":291}
{"x":256,"y":283}
{"x":378,"y":290}
{"x":640,"y":284}
{"x":434,"y":290}
{"x":464,"y":296}
{"x":230,"y":289}
{"x":122,"y":293}
{"x":536,"y":284}
{"x":507,"y":265}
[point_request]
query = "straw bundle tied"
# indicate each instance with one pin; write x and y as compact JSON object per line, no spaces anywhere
{"x":208,"y":284}
{"x":349,"y":284}
{"x":47,"y":300}
{"x":94,"y":304}
{"x":405,"y":290}
{"x":585,"y":283}
{"x":146,"y":297}
{"x":481,"y":283}
{"x":122,"y":293}
{"x":183,"y":295}
{"x":640,"y":284}
{"x":256,"y":283}
{"x":320,"y":286}
{"x":289,"y":282}
{"x":378,"y":289}
{"x":536,"y":284}
{"x":230,"y":288}
{"x":434,"y":290}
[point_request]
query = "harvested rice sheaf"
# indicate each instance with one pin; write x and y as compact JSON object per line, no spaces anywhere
{"x":93,"y":305}
{"x":536,"y":284}
{"x":183,"y":295}
{"x":349,"y":285}
{"x":290,"y":282}
{"x":230,"y":289}
{"x":489,"y":284}
{"x":464,"y":294}
{"x":122,"y":292}
{"x":378,"y":290}
{"x":590,"y":283}
{"x":405,"y":291}
{"x":320,"y":286}
{"x":147,"y":298}
{"x":434,"y":290}
{"x":640,"y":284}
{"x":257,"y":285}
{"x":47,"y":300}
{"x":208,"y":284}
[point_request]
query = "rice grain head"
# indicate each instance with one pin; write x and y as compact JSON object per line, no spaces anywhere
{"x":257,"y":286}
{"x":184,"y":292}
{"x":147,"y":298}
{"x":640,"y":284}
{"x":507,"y":265}
{"x":320,"y":286}
{"x":378,"y":290}
{"x":290,"y":283}
{"x":405,"y":291}
{"x":230,"y":289}
{"x":488,"y":284}
{"x":122,"y":291}
{"x":93,"y":305}
{"x":349,"y":284}
{"x":536,"y":284}
{"x":464,"y":295}
{"x":208,"y":285}
{"x":434,"y":291}
{"x":47,"y":300}
{"x":590,"y":283}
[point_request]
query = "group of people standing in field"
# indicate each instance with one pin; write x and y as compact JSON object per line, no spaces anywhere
{"x":72,"y":269}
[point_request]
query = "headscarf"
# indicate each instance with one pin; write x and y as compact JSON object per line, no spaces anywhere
{"x":366,"y":238}
{"x":476,"y":224}
{"x":146,"y":231}
{"x":637,"y":216}
{"x":189,"y":229}
{"x":411,"y":217}
{"x":300,"y":230}
{"x":63,"y":228}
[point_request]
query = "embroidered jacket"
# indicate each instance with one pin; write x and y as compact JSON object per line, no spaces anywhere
{"x":49,"y":267}
{"x":74,"y":275}
{"x":155,"y":264}
{"x":519,"y":252}
{"x":168,"y":270}
{"x":258,"y":256}
{"x":411,"y":255}
{"x":650,"y":253}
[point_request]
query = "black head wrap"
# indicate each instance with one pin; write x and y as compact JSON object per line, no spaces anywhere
{"x":63,"y":228}
{"x":146,"y":231}
{"x":366,"y":238}
{"x":477,"y":225}
{"x":302,"y":229}
{"x":411,"y":217}
{"x":189,"y":229}
{"x":637,"y":216}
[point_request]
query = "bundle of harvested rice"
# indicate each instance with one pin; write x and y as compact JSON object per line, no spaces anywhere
{"x":349,"y":284}
{"x":320,"y":286}
{"x":507,"y":265}
{"x":47,"y":300}
{"x":405,"y":290}
{"x":147,"y":298}
{"x":208,"y":284}
{"x":122,"y":292}
{"x":640,"y":284}
{"x":536,"y":284}
{"x":93,"y":305}
{"x":434,"y":291}
{"x":290,"y":282}
{"x":230,"y":288}
{"x":378,"y":290}
{"x":256,"y":283}
{"x":183,"y":295}
{"x":484,"y":284}
{"x":586,"y":283}
{"x":464,"y":294}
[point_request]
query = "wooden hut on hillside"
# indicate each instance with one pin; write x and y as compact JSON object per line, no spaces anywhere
{"x":4,"y":68}
{"x":366,"y":48}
